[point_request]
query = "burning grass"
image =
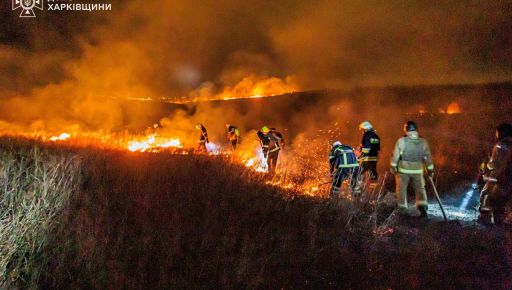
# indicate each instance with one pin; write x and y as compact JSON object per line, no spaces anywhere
{"x":87,"y":218}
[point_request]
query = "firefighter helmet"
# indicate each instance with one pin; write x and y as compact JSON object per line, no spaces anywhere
{"x":410,"y":126}
{"x":366,"y":126}
{"x":199,"y":126}
{"x":336,"y":143}
{"x":228,"y":125}
{"x":265,"y":129}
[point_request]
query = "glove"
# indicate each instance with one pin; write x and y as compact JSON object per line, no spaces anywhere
{"x":431,"y":174}
{"x":393,"y":170}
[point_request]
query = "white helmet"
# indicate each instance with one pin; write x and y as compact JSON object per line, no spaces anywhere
{"x":337,"y":143}
{"x":365,"y":126}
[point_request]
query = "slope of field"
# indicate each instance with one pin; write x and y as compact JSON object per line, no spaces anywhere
{"x":460,"y":139}
{"x":163,"y":221}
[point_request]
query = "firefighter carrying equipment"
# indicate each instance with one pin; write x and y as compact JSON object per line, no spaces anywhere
{"x":269,"y":142}
{"x":203,"y":134}
{"x":343,"y":165}
{"x":233,"y":132}
{"x":270,"y":146}
{"x":409,"y":156}
{"x":233,"y":135}
{"x":497,"y":192}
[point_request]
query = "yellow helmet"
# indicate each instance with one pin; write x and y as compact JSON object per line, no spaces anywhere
{"x":265,"y":129}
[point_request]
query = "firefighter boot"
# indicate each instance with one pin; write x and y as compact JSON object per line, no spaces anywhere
{"x":485,"y":216}
{"x":423,"y":211}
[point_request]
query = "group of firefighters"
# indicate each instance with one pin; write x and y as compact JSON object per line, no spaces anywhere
{"x":411,"y":155}
{"x":271,"y":141}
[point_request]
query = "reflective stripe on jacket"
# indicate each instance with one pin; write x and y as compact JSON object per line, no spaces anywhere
{"x":370,"y":146}
{"x":342,"y":156}
{"x":269,"y":142}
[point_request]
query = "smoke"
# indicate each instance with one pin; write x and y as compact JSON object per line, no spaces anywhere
{"x":75,"y":69}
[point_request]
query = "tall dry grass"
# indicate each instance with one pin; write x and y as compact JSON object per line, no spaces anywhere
{"x":35,"y":185}
{"x":123,"y":220}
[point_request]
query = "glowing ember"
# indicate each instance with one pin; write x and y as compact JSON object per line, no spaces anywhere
{"x":61,"y":137}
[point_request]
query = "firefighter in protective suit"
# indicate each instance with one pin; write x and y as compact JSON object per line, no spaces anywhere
{"x":203,"y":138}
{"x":409,"y":156}
{"x":497,"y":192}
{"x":270,"y":146}
{"x":370,"y":147}
{"x":233,"y":135}
{"x":343,"y":166}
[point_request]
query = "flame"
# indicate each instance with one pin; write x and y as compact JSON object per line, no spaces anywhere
{"x":61,"y":137}
{"x":213,"y":149}
{"x":250,"y":156}
{"x":453,"y":108}
{"x":258,"y":163}
{"x":422,"y":110}
{"x":153,"y":145}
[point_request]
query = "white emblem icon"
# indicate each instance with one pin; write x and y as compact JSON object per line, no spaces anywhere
{"x":27,"y":7}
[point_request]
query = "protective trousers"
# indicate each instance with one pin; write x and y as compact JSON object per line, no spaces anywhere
{"x":370,"y":167}
{"x":418,"y":183}
{"x":201,"y":147}
{"x":341,"y":175}
{"x":233,"y":143}
{"x":272,"y":161}
{"x":494,"y":200}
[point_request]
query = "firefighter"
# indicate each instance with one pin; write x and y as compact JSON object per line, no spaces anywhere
{"x":279,"y":136}
{"x":343,"y":166}
{"x":203,"y":138}
{"x":497,"y":191}
{"x":370,"y":147}
{"x":233,"y":135}
{"x":409,"y":156}
{"x":270,"y":145}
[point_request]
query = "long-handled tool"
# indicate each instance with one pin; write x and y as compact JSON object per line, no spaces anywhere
{"x":437,"y":197}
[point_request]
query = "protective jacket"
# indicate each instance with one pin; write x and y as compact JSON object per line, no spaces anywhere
{"x":500,"y":164}
{"x":342,"y":157}
{"x":233,"y":133}
{"x":497,"y":192}
{"x":269,"y":142}
{"x":278,"y":136}
{"x":410,"y":153}
{"x":370,"y":146}
{"x":203,"y":135}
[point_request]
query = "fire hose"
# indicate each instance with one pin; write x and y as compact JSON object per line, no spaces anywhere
{"x":436,"y":194}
